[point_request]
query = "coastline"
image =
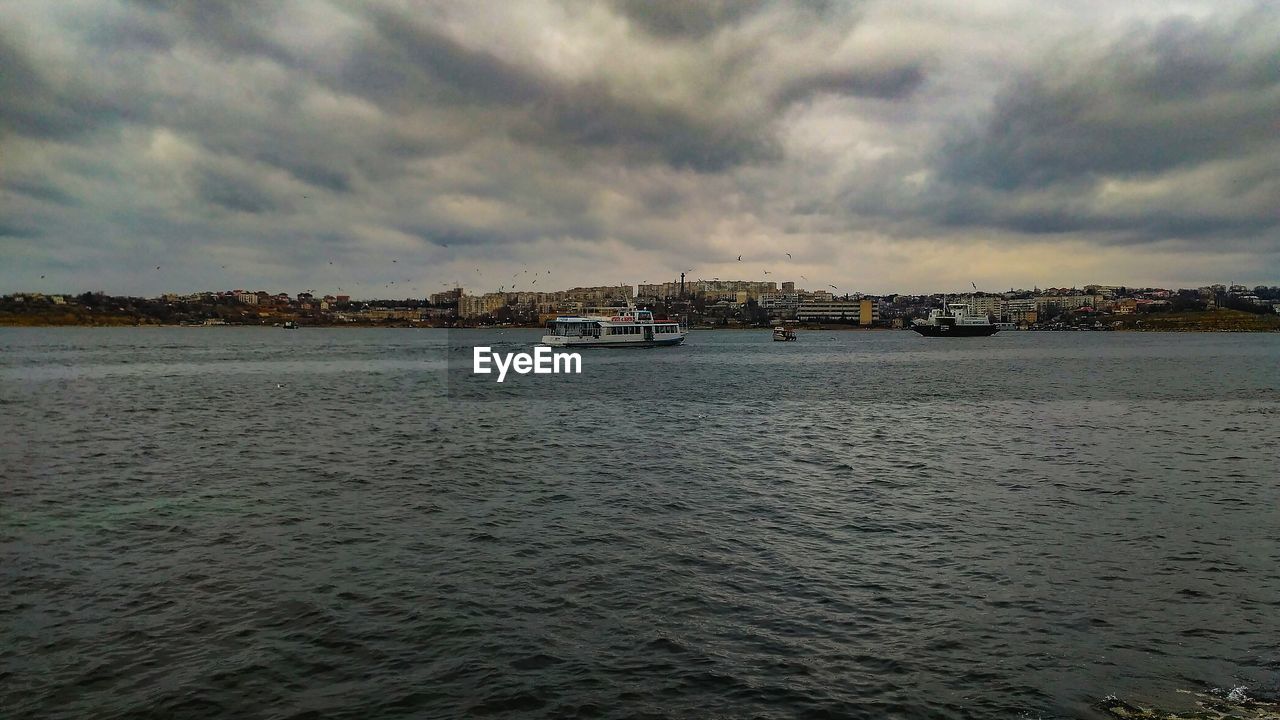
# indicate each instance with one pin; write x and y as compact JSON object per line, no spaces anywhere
{"x":801,"y":329}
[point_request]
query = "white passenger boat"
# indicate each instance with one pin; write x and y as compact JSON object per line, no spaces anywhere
{"x":628,"y":328}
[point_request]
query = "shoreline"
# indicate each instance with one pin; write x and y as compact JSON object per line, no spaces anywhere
{"x":800,"y":329}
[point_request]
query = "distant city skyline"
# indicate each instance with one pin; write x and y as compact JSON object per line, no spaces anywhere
{"x":883,"y":146}
{"x":695,"y":286}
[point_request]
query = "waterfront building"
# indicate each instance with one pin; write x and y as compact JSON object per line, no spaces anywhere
{"x":780,"y":301}
{"x":985,"y":305}
{"x":864,"y":311}
{"x":470,"y":306}
{"x":448,"y":297}
{"x":1021,"y":311}
{"x":1048,"y":304}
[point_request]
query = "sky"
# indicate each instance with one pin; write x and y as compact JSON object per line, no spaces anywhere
{"x":895,"y":146}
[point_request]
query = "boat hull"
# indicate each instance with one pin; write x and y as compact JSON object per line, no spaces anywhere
{"x":956,"y":330}
{"x":573,"y":342}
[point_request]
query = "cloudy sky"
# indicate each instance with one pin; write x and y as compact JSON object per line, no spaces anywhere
{"x":887,"y":145}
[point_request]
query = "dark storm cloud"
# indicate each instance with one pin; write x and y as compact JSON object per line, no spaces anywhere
{"x":40,"y":191}
{"x":676,"y":18}
{"x":33,"y":105}
{"x":889,"y":83}
{"x":681,"y":19}
{"x":406,"y":60}
{"x":1071,"y":210}
{"x":406,"y":63}
{"x":232,"y":27}
{"x":14,"y":230}
{"x":1067,"y":140}
{"x":1179,"y":94}
{"x":594,"y":117}
{"x":239,"y":192}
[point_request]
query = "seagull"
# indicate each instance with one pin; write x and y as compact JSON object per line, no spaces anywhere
{"x":766,"y":272}
{"x":535,"y":282}
{"x":803,"y":277}
{"x":157,"y":267}
{"x":833,"y":287}
{"x":788,"y":256}
{"x":41,"y":277}
{"x":395,"y":261}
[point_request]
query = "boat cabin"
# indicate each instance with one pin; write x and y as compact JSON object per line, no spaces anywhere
{"x":573,"y":326}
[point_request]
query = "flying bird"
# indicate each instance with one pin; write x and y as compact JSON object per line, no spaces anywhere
{"x":395,"y":261}
{"x":157,"y":267}
{"x":833,"y":287}
{"x":803,"y":277}
{"x":41,"y":277}
{"x":788,"y":256}
{"x":766,"y":272}
{"x":739,"y":258}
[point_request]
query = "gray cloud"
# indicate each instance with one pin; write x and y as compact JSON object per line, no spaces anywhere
{"x":401,"y":62}
{"x":1183,"y":94}
{"x":673,"y":18}
{"x":1107,"y":140}
{"x":882,"y":83}
{"x":237,"y":192}
{"x":40,"y":191}
{"x":34,"y":105}
{"x":231,"y":27}
{"x":644,"y":137}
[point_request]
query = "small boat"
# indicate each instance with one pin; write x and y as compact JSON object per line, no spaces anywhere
{"x":628,"y":327}
{"x":955,"y":320}
{"x":290,"y":325}
{"x":783,"y":335}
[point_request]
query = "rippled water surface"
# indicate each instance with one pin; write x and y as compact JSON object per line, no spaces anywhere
{"x":343,"y":523}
